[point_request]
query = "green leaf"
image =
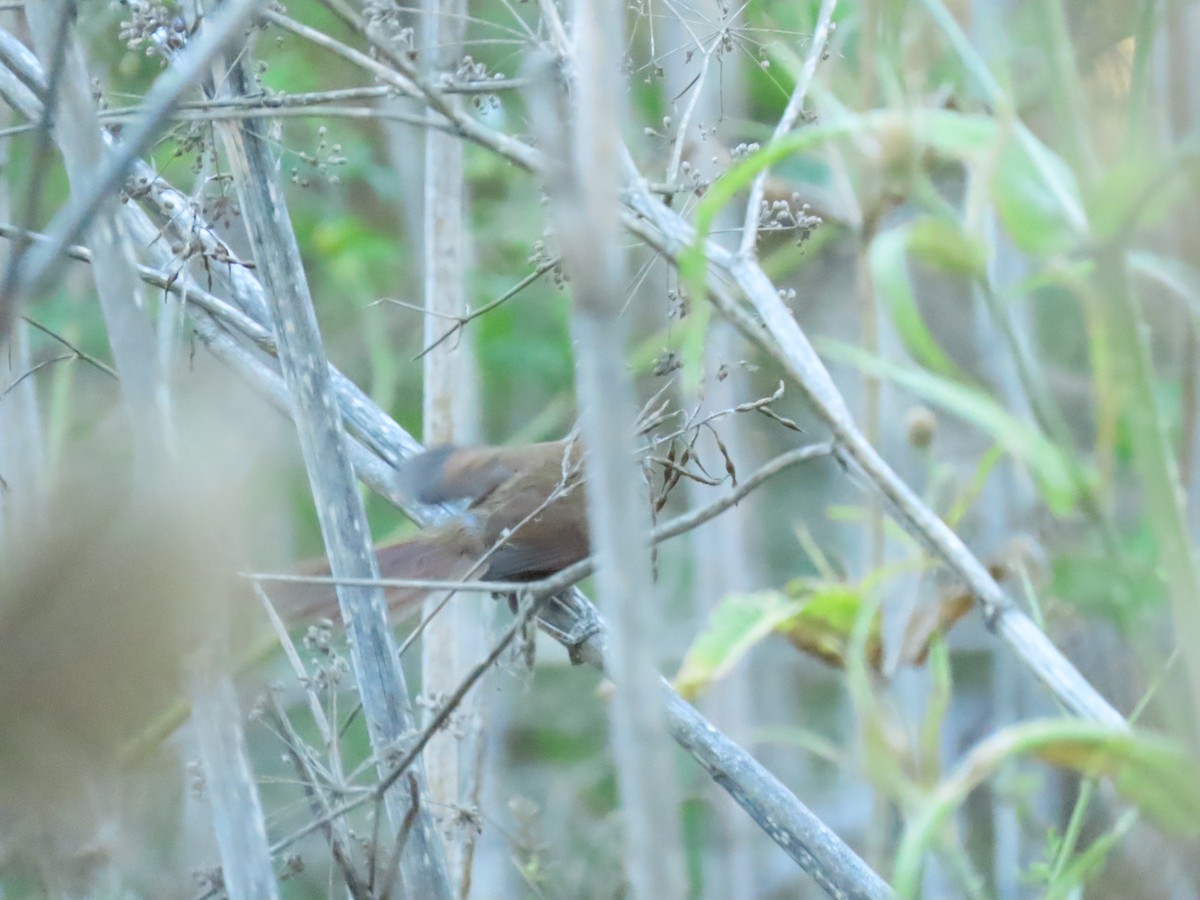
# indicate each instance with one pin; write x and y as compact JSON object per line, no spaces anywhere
{"x":809,"y":740}
{"x":816,"y":617}
{"x":1045,"y":461}
{"x":738,"y":623}
{"x":937,"y":241}
{"x":889,"y":271}
{"x":1037,"y":198}
{"x":1119,"y":193}
{"x":1150,"y":772}
{"x":823,"y":623}
{"x":973,"y":489}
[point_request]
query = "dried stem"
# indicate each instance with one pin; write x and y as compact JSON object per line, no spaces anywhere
{"x":583,"y":188}
{"x":340,"y":511}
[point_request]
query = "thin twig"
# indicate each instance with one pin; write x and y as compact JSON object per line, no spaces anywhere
{"x":681,"y":135}
{"x":467,"y":318}
{"x":490,"y":587}
{"x":318,"y":801}
{"x":791,"y":113}
{"x":407,"y":80}
{"x":33,"y":370}
{"x":439,"y":719}
{"x":82,"y":354}
{"x":293,"y":657}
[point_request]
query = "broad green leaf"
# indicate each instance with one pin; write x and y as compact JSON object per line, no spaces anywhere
{"x":1029,"y":200}
{"x":822,"y":625}
{"x":737,"y":624}
{"x":1068,"y":275}
{"x":1153,"y":774}
{"x":816,"y":617}
{"x":1119,"y":194}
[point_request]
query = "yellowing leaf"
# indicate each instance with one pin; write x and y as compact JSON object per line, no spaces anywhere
{"x":822,"y":626}
{"x":1154,"y":774}
{"x":816,"y":617}
{"x":737,"y":623}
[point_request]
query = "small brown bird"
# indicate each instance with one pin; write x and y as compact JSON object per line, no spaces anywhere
{"x":527,"y":507}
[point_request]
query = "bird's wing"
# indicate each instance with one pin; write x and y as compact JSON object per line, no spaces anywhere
{"x":455,"y":473}
{"x":537,"y":554}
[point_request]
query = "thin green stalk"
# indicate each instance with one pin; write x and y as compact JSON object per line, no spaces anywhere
{"x":1153,"y":455}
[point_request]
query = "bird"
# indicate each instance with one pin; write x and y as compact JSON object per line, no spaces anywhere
{"x":526,"y":519}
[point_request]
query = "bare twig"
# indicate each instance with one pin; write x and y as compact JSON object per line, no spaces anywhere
{"x":335,"y":830}
{"x":34,"y":369}
{"x":685,"y":121}
{"x":791,"y":113}
{"x":82,"y":354}
{"x":436,"y":721}
{"x":405,"y":79}
{"x":468,"y":317}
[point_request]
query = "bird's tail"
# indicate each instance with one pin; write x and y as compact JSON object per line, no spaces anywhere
{"x":419,"y":559}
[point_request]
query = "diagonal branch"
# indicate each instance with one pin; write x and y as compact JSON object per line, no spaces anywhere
{"x":770,"y":324}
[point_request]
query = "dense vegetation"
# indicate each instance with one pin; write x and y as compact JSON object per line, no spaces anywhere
{"x":929,"y":263}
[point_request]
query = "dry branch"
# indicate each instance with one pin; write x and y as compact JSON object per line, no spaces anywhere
{"x":583,"y":187}
{"x":340,"y":511}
